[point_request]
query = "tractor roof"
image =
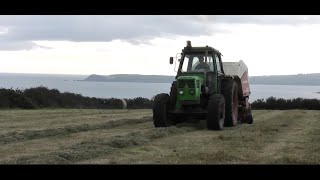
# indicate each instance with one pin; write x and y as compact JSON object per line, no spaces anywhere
{"x":189,"y":49}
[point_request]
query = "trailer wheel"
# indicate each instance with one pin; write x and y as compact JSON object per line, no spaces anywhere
{"x":249,"y":116}
{"x":160,"y":108}
{"x":242,"y":117}
{"x":216,"y":112}
{"x":230,"y":92}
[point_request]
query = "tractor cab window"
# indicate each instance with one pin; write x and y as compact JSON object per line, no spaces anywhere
{"x":197,"y":63}
{"x":218,"y":63}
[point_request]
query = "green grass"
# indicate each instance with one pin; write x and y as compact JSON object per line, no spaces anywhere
{"x":60,"y":136}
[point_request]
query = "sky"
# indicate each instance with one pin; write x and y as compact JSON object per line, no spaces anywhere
{"x":143,"y":44}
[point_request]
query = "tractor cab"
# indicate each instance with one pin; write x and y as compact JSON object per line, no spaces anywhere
{"x":197,"y":75}
{"x":199,"y":59}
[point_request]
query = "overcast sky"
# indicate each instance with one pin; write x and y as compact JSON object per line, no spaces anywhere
{"x":269,"y":45}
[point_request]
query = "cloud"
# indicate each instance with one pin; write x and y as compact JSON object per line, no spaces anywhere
{"x":98,"y":28}
{"x":20,"y":32}
{"x":19,"y":45}
{"x":134,"y":29}
{"x":261,"y":19}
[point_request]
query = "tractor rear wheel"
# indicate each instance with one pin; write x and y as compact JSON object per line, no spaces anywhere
{"x":230,"y":92}
{"x":216,"y":112}
{"x":160,"y":110}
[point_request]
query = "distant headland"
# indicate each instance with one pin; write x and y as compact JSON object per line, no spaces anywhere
{"x":299,"y":79}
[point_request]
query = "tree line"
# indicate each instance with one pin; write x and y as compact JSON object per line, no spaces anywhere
{"x":42,"y":97}
{"x":286,"y":104}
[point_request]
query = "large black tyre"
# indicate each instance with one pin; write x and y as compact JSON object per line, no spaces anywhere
{"x":216,"y":112}
{"x":160,"y":109}
{"x":243,"y":114}
{"x":249,"y":116}
{"x":230,"y":93}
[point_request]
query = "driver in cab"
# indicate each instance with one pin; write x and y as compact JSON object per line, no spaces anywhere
{"x":202,"y":65}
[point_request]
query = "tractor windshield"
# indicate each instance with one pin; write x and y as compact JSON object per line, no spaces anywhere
{"x":197,"y":63}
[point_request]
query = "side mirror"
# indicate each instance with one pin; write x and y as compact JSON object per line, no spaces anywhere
{"x":171,"y":60}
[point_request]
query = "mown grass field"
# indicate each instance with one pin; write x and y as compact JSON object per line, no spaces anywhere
{"x":78,"y":136}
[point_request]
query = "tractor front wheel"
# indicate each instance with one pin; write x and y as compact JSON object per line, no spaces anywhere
{"x":160,"y":110}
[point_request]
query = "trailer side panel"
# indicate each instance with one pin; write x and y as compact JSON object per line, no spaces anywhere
{"x":240,"y":71}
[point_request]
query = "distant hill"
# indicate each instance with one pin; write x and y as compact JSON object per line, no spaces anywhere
{"x":300,"y":79}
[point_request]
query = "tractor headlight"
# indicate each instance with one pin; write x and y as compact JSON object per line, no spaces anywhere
{"x":181,"y":91}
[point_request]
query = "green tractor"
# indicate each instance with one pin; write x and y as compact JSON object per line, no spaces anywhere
{"x":205,"y":88}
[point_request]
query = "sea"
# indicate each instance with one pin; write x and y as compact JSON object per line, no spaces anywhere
{"x":73,"y":84}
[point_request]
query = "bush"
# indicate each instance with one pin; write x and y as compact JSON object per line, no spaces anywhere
{"x":286,"y":104}
{"x":42,"y":97}
{"x":139,"y":103}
